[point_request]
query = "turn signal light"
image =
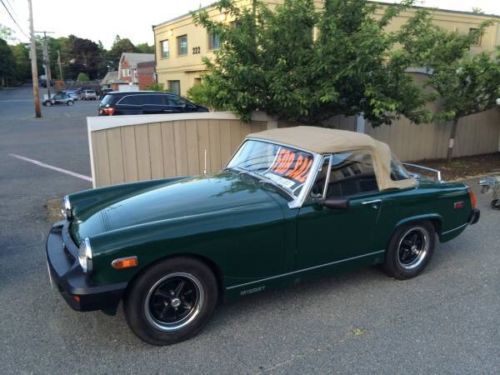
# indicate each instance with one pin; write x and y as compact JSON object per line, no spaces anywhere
{"x":473,"y":198}
{"x":127,"y":262}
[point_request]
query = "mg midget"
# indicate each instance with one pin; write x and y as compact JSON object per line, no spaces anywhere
{"x":292,"y":203}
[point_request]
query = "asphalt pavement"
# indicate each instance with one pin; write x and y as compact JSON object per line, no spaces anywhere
{"x":446,"y":321}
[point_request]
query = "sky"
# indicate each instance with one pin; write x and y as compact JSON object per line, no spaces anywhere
{"x":104,"y":19}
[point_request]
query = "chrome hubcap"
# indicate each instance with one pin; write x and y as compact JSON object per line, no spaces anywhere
{"x":413,"y":247}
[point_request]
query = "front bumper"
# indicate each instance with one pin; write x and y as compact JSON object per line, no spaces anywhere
{"x":74,"y":285}
{"x":474,"y":216}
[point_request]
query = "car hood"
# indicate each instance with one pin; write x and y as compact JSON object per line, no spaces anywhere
{"x":182,"y":198}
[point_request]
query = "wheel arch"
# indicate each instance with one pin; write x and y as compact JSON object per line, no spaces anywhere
{"x":435,"y":219}
{"x":214,"y":267}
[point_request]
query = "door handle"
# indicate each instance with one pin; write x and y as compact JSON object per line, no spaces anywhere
{"x":375,"y":203}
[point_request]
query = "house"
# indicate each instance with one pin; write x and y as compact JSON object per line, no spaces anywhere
{"x":127,"y":67}
{"x":111,"y":81}
{"x":180,"y":45}
{"x":146,"y":74}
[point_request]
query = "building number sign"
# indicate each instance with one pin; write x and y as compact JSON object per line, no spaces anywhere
{"x":196,"y":50}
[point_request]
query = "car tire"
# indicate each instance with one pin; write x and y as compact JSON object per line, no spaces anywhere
{"x":48,"y":104}
{"x":70,"y":102}
{"x":495,"y":204}
{"x":171,"y":301}
{"x":410,"y":250}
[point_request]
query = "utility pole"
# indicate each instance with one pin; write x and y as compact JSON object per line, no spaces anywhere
{"x":46,"y":60}
{"x":60,"y":66}
{"x":34,"y":68}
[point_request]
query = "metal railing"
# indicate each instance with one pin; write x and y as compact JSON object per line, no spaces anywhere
{"x":438,"y":172}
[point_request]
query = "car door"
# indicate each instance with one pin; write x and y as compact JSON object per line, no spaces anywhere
{"x":129,"y":105}
{"x":152,"y":104}
{"x":176,"y":104}
{"x":326,"y":235}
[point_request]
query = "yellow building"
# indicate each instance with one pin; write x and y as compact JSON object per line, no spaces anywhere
{"x":181,"y":45}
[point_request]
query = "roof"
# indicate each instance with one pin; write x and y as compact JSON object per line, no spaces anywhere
{"x":146,"y":64}
{"x":316,"y":139}
{"x":326,"y":141}
{"x":135,"y":58}
{"x":110,"y":77}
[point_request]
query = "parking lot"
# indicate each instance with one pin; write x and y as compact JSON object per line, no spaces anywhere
{"x":445,"y":321}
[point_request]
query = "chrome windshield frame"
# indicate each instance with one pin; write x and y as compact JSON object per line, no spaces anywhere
{"x":297,"y":200}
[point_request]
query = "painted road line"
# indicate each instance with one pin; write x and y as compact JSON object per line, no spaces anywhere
{"x":48,"y":166}
{"x":15,"y":100}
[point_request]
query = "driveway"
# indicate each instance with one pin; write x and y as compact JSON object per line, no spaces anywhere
{"x":445,"y":321}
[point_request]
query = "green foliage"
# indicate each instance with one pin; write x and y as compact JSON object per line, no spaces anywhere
{"x":5,"y":32}
{"x":200,"y":94}
{"x":82,"y":77}
{"x":119,"y":46}
{"x":144,"y":48}
{"x":465,"y":83}
{"x":21,"y":62}
{"x":302,"y":65}
{"x":7,"y":64}
{"x":156,"y":87}
{"x":470,"y":85}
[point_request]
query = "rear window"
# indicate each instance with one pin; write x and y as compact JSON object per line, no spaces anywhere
{"x":107,"y":100}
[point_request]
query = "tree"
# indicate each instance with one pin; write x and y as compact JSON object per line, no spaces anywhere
{"x":469,"y":86}
{"x":119,"y":46}
{"x":302,"y":65}
{"x":465,"y":84}
{"x":82,"y":77}
{"x":144,"y":48}
{"x":22,"y":62}
{"x":7,"y":64}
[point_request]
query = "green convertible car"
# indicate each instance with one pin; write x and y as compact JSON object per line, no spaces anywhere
{"x":291,"y":204}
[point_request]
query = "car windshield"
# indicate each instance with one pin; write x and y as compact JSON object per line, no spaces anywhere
{"x":284,"y":166}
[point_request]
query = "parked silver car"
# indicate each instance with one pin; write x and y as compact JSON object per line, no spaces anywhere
{"x":89,"y":95}
{"x":59,"y":98}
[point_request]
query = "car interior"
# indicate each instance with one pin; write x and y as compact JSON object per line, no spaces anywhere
{"x":351,"y":173}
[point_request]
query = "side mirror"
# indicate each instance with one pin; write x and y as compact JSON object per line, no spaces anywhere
{"x":336,"y":203}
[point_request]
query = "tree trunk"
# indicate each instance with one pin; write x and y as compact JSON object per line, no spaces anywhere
{"x":451,"y":142}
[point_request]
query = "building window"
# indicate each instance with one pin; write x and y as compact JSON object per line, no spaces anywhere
{"x":174,"y":87}
{"x":165,"y":49}
{"x":213,"y":41}
{"x":477,"y":39}
{"x":125,"y":72}
{"x":182,"y":45}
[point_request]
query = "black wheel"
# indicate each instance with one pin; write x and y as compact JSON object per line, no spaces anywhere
{"x":410,"y":250}
{"x":70,"y":102}
{"x":495,"y":203}
{"x":172,"y":301}
{"x":48,"y":104}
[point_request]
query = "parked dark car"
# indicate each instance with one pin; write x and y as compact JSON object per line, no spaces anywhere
{"x":145,"y":102}
{"x":292,"y":204}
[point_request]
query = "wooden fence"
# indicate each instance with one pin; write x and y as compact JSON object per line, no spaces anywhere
{"x":476,"y":134}
{"x":132,"y":148}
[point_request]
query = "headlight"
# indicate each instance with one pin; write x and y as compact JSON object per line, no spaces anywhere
{"x":85,"y":255}
{"x":66,"y":210}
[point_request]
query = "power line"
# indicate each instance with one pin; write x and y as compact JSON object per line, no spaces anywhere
{"x":13,"y":19}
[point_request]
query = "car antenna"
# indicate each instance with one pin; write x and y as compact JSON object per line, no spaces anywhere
{"x":205,"y":168}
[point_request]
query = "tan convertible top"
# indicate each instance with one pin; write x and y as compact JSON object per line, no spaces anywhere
{"x":326,"y":141}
